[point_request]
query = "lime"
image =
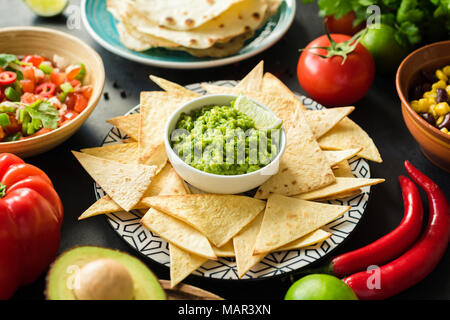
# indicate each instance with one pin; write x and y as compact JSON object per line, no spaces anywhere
{"x":47,"y":8}
{"x":264,"y":120}
{"x":320,"y":287}
{"x":385,"y":49}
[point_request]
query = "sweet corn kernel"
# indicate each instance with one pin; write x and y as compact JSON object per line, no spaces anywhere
{"x":439,"y":120}
{"x":440,"y":84}
{"x":444,"y":130}
{"x":432,"y":111}
{"x":448,"y":90}
{"x":430,"y":94}
{"x":423,"y":105}
{"x":441,"y":109}
{"x":441,"y":75}
{"x":446,"y":70}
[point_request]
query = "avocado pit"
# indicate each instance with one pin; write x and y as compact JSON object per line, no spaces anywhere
{"x":104,"y":279}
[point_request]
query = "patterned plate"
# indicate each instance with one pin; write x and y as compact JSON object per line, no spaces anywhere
{"x":127,"y":225}
{"x":101,"y":26}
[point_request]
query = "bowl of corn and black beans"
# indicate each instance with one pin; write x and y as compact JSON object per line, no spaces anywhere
{"x":423,"y":85}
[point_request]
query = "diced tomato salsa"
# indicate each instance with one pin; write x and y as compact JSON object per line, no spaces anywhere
{"x":38,"y":95}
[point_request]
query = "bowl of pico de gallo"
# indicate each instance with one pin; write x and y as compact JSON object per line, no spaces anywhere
{"x":50,"y":82}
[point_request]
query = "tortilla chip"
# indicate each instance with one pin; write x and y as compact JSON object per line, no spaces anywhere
{"x":287,"y":219}
{"x":124,"y":183}
{"x":306,"y":241}
{"x":347,"y":135}
{"x":341,"y":186}
{"x":322,"y":121}
{"x":227,"y":250}
{"x":244,"y":244}
{"x":156,"y":108}
{"x":122,"y":152}
{"x":182,"y":264}
{"x":253,"y":80}
{"x":167,"y":181}
{"x":218,"y":217}
{"x":177,"y":232}
{"x":274,"y":86}
{"x":128,"y":124}
{"x":173,"y":87}
{"x":335,"y":157}
{"x":342,"y":169}
{"x":343,"y":195}
{"x":303,"y":167}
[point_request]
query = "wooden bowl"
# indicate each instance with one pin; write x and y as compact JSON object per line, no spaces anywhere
{"x":434,"y":144}
{"x":48,"y":42}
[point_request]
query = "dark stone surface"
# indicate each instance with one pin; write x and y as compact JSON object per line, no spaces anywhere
{"x":378,"y":113}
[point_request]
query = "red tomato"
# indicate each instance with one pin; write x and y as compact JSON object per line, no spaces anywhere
{"x":29,"y":98}
{"x":344,"y":24}
{"x":330,"y":81}
{"x":87,"y":91}
{"x":28,"y":74}
{"x":58,"y":78}
{"x":27,"y":85}
{"x":7,"y":77}
{"x":46,"y":90}
{"x":15,"y":126}
{"x":72,"y":71}
{"x":76,"y":101}
{"x":64,"y":123}
{"x":34,"y":60}
{"x":70,"y":115}
{"x":75,"y":83}
{"x":40,"y":132}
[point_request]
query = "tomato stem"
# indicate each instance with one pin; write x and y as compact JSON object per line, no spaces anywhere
{"x":342,"y":49}
{"x":2,"y":190}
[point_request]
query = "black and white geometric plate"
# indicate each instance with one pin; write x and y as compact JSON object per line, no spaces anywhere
{"x":127,"y":225}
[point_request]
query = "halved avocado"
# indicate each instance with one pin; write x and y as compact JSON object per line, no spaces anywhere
{"x":108,"y":274}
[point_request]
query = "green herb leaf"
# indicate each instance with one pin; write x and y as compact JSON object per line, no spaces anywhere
{"x":44,"y":112}
{"x":6,"y":59}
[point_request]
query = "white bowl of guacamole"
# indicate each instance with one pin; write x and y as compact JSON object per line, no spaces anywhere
{"x":217,"y":149}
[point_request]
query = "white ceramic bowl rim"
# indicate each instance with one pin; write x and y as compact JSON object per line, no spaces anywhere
{"x":231,"y":96}
{"x":92,"y":99}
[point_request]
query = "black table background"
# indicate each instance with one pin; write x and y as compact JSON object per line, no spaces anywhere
{"x":378,"y":113}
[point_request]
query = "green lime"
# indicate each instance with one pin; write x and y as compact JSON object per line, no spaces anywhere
{"x":386,"y":51}
{"x":264,"y":120}
{"x":47,"y":8}
{"x":320,"y":287}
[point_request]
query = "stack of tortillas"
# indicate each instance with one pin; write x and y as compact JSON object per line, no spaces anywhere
{"x":203,"y":28}
{"x":287,"y":212}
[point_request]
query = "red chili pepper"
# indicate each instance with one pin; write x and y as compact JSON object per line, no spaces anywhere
{"x":7,"y":77}
{"x":391,"y":245}
{"x":46,"y":90}
{"x":415,"y":264}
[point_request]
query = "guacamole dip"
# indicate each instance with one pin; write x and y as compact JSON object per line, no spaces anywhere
{"x":222,"y":140}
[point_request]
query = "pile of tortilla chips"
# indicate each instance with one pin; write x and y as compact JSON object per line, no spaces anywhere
{"x":285,"y":213}
{"x":200,"y":27}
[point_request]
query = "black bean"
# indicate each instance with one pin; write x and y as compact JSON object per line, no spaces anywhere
{"x":429,"y":76}
{"x":123,"y":94}
{"x":441,"y":95}
{"x":445,"y":123}
{"x":106,"y":95}
{"x":426,"y":87}
{"x":418,"y":92}
{"x":115,"y":85}
{"x":428,"y":118}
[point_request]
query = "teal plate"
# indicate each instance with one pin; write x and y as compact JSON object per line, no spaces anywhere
{"x":101,"y":26}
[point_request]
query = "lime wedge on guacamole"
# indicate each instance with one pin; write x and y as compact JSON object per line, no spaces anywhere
{"x":47,"y":8}
{"x":264,"y":120}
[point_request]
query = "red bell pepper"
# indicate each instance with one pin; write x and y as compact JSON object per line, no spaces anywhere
{"x":31,"y":214}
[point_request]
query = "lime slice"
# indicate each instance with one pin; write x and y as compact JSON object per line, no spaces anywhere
{"x":47,"y":8}
{"x":264,"y":120}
